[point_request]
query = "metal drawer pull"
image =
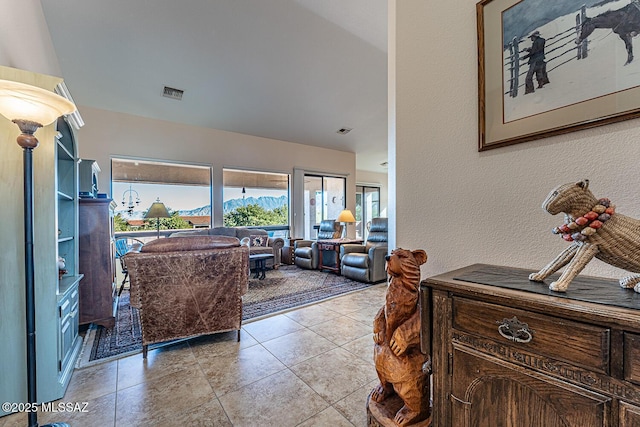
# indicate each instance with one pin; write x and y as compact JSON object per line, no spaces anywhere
{"x":514,"y":330}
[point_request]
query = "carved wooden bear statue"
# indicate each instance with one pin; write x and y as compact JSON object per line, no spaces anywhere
{"x":396,"y":333}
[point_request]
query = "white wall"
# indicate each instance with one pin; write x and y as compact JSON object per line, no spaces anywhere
{"x":466,"y":207}
{"x":25,"y":42}
{"x":108,"y":134}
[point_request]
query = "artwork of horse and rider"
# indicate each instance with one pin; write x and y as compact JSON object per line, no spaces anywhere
{"x":570,"y":51}
{"x":562,"y":55}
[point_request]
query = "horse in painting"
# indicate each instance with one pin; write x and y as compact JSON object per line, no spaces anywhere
{"x":624,"y":22}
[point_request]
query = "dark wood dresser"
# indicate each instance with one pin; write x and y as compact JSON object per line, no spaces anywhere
{"x":509,"y":352}
{"x":98,"y":296}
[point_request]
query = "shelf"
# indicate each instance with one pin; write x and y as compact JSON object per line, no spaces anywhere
{"x":64,"y":196}
{"x":63,"y":152}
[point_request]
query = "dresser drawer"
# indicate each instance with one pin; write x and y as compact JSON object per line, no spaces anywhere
{"x":632,"y":357}
{"x":561,"y":339}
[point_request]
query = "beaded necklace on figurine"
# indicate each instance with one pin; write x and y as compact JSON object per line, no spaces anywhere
{"x":588,"y":224}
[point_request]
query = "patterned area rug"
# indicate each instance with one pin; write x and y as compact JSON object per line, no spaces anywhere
{"x":283,"y":289}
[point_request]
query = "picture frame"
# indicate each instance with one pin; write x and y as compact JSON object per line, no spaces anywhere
{"x":589,"y":82}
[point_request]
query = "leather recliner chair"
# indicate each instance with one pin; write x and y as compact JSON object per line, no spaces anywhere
{"x":306,"y":251}
{"x":366,"y":263}
{"x":188,"y":286}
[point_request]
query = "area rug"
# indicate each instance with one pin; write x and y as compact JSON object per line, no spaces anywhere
{"x":283,"y":289}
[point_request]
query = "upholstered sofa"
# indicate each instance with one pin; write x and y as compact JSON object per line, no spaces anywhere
{"x":306,"y":251}
{"x":188,"y":286}
{"x":252,"y":235}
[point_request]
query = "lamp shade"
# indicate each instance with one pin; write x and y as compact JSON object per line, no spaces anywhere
{"x":346,"y":216}
{"x":19,"y":101}
{"x":157,"y":210}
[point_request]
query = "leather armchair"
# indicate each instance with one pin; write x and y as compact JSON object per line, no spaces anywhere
{"x":188,"y":286}
{"x":306,"y":251}
{"x":366,"y":263}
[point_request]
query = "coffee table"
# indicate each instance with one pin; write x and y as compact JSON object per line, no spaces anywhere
{"x":333,"y":245}
{"x":260,"y":264}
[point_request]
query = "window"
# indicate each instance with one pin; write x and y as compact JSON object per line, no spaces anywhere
{"x":367,"y":208}
{"x":183,"y":188}
{"x":324,"y":198}
{"x":258,"y":199}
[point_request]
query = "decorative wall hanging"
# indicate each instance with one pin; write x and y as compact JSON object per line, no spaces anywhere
{"x":551,"y":67}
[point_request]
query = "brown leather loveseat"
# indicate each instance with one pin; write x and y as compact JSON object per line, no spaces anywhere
{"x":188,"y":286}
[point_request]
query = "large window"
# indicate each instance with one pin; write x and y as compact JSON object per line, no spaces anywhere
{"x":183,"y":188}
{"x":367,"y":208}
{"x":324,"y":198}
{"x":253,"y":198}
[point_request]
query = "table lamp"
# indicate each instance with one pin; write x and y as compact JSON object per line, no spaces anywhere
{"x":345,"y":217}
{"x":30,"y":108}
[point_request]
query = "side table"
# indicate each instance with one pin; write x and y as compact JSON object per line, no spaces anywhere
{"x":287,"y":250}
{"x":333,"y":245}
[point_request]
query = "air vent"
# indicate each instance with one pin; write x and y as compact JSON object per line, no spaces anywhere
{"x":172,"y":93}
{"x":344,"y":131}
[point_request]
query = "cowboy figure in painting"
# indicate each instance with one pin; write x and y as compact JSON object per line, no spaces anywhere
{"x":536,"y":62}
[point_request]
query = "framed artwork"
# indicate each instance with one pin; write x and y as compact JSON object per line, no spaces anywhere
{"x":547,"y":67}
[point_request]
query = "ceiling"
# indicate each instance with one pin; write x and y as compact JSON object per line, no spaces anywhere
{"x":292,"y":70}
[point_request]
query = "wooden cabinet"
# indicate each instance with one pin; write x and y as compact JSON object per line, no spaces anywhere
{"x":509,"y":352}
{"x":98,"y":295}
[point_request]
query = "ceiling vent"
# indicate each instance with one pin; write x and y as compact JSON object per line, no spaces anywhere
{"x":344,"y":131}
{"x":172,"y":93}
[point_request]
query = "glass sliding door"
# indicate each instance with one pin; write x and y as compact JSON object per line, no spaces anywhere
{"x":367,"y":208}
{"x":324,"y":198}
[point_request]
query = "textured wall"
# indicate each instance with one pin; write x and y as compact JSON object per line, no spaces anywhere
{"x":463,"y":206}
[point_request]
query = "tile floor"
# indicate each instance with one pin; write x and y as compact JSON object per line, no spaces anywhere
{"x":307,"y":367}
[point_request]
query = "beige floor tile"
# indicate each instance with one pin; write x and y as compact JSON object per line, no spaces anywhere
{"x":312,"y":315}
{"x":366,"y":315}
{"x":298,"y":346}
{"x":162,"y":397}
{"x":160,"y":362}
{"x":271,"y":327}
{"x":209,"y":414}
{"x":341,"y":330}
{"x":280,"y":400}
{"x":348,"y":304}
{"x":92,"y":382}
{"x":220,"y":344}
{"x":230,"y":372}
{"x":335,"y":374}
{"x":177,"y":385}
{"x":97,"y":412}
{"x":354,"y":406}
{"x":361,"y":347}
{"x":330,"y":417}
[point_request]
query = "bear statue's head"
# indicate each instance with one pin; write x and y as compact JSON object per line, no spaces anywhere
{"x":406,"y":263}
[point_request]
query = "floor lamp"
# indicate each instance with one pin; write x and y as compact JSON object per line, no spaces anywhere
{"x":157,"y":210}
{"x":30,"y":108}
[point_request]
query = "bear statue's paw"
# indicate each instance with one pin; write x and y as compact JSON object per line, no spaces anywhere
{"x":406,"y":416}
{"x":630,"y":281}
{"x":380,"y":392}
{"x":559,"y":286}
{"x":536,"y":277}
